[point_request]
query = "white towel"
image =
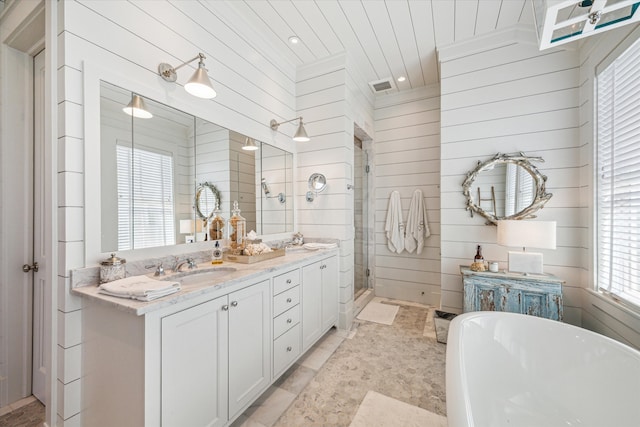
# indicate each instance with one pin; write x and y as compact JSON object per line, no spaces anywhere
{"x":417,"y":226}
{"x":394,"y":227}
{"x":142,"y":288}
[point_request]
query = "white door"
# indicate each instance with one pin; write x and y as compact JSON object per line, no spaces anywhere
{"x":39,"y":230}
{"x":311,"y":304}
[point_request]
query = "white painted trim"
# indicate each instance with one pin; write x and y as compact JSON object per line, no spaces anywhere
{"x":430,"y":91}
{"x":51,"y":217}
{"x":496,"y":39}
{"x":323,"y":66}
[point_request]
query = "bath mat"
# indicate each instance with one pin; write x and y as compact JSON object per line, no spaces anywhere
{"x":379,"y":313}
{"x":379,"y":410}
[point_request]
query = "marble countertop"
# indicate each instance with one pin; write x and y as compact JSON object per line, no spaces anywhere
{"x":195,"y":288}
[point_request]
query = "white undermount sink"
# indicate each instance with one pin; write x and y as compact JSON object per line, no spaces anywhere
{"x":200,"y":275}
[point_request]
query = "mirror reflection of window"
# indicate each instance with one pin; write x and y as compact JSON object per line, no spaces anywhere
{"x":145,"y":198}
{"x":519,"y":189}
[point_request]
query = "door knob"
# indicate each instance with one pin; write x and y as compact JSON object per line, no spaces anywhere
{"x":27,"y":268}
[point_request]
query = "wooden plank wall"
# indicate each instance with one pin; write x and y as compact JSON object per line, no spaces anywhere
{"x":130,"y":39}
{"x":407,"y":157}
{"x":503,"y":95}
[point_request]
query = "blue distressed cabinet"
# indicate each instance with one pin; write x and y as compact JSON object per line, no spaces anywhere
{"x":538,"y":295}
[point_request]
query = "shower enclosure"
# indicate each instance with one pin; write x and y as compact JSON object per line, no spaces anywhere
{"x":360,"y":220}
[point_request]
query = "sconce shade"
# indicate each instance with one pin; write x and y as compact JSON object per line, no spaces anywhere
{"x":301,"y":134}
{"x":527,"y":234}
{"x":199,"y":84}
{"x":137,"y":108}
{"x":250,"y":144}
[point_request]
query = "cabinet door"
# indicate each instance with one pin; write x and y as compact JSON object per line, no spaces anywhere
{"x":311,"y":304}
{"x":330,"y":291}
{"x":249,"y":344}
{"x":194,"y":366}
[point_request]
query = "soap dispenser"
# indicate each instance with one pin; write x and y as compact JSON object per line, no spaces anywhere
{"x":237,"y":230}
{"x":216,"y":254}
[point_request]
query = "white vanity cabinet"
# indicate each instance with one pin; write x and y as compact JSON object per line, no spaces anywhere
{"x":201,"y":357}
{"x":215,"y":347}
{"x":320,"y":286}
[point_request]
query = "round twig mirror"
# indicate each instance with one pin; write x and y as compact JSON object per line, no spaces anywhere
{"x":506,"y":187}
{"x":207,"y":199}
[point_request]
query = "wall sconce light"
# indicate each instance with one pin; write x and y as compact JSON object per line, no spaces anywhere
{"x":265,"y":188}
{"x":531,"y":234}
{"x":301,"y":133}
{"x":137,"y":108}
{"x":250,"y":144}
{"x":198,"y":85}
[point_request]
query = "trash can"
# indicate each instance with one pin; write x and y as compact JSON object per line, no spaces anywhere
{"x":442,"y":320}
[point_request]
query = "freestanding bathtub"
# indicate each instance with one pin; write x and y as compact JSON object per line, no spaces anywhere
{"x":506,"y":369}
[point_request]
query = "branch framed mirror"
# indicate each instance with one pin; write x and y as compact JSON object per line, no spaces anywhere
{"x":506,"y":187}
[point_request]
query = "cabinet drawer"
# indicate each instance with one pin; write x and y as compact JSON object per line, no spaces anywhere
{"x":284,"y":301}
{"x":286,"y":281}
{"x":286,"y":321}
{"x":286,"y":349}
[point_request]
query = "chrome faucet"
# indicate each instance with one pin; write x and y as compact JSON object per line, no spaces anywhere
{"x":159,"y":269}
{"x":189,"y":262}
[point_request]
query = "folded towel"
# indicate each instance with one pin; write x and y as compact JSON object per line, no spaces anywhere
{"x":312,"y":246}
{"x":140,"y":288}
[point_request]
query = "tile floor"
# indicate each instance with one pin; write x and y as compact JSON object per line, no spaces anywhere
{"x":327,"y":385}
{"x":27,"y":412}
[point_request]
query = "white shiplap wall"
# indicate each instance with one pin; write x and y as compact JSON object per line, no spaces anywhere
{"x":322,"y":92}
{"x":501,"y":94}
{"x":599,"y":313}
{"x":129,"y":40}
{"x":407,"y":153}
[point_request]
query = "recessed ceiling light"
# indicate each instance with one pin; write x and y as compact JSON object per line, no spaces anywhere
{"x":294,"y":40}
{"x":402,"y":78}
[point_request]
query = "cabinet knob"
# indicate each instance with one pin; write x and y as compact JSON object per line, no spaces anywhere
{"x":234,"y":303}
{"x":288,"y":280}
{"x":289,"y":320}
{"x":225,"y":307}
{"x":288,"y":299}
{"x":289,"y":348}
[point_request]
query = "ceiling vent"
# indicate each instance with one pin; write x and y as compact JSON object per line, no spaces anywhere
{"x":382,"y":85}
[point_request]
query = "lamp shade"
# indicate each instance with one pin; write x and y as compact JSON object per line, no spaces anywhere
{"x":137,"y":108}
{"x":527,"y":234}
{"x":301,"y":134}
{"x":199,"y":84}
{"x":250,"y":144}
{"x":186,"y":226}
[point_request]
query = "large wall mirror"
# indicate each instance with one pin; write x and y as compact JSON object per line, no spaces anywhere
{"x":506,"y":187}
{"x":162,"y":176}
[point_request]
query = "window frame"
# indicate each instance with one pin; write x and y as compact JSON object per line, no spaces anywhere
{"x":631,"y":302}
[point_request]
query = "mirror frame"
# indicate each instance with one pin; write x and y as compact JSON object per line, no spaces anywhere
{"x":201,"y":187}
{"x":317,"y":178}
{"x":541,"y":195}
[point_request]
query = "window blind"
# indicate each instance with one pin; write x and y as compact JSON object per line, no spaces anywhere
{"x":618,"y":176}
{"x":145,"y":198}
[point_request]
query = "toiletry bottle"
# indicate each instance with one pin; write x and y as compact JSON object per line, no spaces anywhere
{"x":216,"y":254}
{"x":479,"y":257}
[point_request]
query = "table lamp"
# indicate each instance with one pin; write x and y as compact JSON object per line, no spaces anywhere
{"x":186,"y":227}
{"x":526,"y":234}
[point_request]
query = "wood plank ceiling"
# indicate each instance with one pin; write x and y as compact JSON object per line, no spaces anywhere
{"x":388,"y":38}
